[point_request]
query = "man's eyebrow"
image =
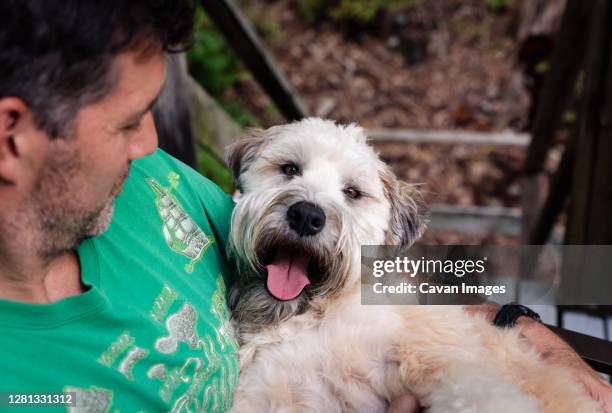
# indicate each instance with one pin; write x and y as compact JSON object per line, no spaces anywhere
{"x":153,"y":102}
{"x":140,"y":114}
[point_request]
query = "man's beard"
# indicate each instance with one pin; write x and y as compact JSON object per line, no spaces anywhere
{"x":63,"y":221}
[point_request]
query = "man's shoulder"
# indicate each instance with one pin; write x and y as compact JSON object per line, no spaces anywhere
{"x":159,"y":164}
{"x":160,"y":177}
{"x":164,"y":170}
{"x":158,"y":161}
{"x":165,"y":203}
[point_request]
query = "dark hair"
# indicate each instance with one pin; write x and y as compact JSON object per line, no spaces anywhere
{"x":57,"y":55}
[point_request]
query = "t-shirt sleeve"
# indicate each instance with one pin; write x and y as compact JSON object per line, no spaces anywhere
{"x":216,"y":204}
{"x":218,"y":207}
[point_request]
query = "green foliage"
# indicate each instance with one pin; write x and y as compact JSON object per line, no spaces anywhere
{"x":266,"y":26}
{"x":498,"y":5}
{"x":214,"y":169}
{"x":542,"y":67}
{"x":313,"y":10}
{"x":211,"y":62}
{"x":215,"y":66}
{"x":239,"y":114}
{"x":570,"y":117}
{"x":359,"y":11}
{"x":364,"y":11}
{"x":269,"y":29}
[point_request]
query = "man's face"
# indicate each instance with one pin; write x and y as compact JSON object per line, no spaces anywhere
{"x":72,"y":197}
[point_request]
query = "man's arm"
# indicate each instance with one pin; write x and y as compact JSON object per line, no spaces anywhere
{"x":556,"y":351}
{"x":553,"y":350}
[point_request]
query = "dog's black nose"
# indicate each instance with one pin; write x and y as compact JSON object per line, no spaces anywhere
{"x":306,"y":218}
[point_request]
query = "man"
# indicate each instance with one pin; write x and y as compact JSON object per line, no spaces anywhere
{"x":136,"y":319}
{"x":129,"y":315}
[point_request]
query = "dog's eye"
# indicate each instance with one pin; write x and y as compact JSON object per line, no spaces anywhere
{"x":290,"y":169}
{"x":352,"y":193}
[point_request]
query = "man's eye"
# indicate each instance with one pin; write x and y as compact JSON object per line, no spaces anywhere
{"x":133,"y":127}
{"x":352,"y":193}
{"x":290,"y":169}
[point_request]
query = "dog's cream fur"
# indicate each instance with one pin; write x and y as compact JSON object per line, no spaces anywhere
{"x":324,"y":351}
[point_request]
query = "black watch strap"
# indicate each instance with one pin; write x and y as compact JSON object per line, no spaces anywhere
{"x":507,"y":316}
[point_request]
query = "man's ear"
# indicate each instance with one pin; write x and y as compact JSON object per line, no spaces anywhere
{"x":408,"y":210}
{"x":241,"y":153}
{"x":15,"y":118}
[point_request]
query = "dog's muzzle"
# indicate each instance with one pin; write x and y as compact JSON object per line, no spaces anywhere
{"x":306,"y":218}
{"x":291,"y":265}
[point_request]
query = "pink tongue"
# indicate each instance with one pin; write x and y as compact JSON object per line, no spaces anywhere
{"x":287,"y":275}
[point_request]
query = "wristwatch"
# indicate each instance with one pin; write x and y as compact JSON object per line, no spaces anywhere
{"x":507,"y":316}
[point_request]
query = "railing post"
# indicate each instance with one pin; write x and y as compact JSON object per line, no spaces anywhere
{"x":243,"y":39}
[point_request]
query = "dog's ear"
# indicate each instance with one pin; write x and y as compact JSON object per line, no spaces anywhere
{"x":241,"y":153}
{"x":408,"y":211}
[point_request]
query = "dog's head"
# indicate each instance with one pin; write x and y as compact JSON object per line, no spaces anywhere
{"x":312,"y":192}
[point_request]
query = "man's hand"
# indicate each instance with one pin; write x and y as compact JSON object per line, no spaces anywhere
{"x":556,"y":351}
{"x":405,"y":404}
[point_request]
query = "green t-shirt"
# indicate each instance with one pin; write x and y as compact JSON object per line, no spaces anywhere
{"x":152,"y":332}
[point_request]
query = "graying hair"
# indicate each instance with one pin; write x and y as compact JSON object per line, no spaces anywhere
{"x":55,"y":94}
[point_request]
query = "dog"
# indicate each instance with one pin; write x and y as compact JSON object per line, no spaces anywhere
{"x":313,"y":192}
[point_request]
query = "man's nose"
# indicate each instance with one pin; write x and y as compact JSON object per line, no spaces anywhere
{"x":145,"y":141}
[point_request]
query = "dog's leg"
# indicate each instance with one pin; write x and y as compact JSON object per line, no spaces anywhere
{"x":272,"y":382}
{"x":553,"y":385}
{"x":452,"y":379}
{"x":445,"y":347}
{"x":465,"y":389}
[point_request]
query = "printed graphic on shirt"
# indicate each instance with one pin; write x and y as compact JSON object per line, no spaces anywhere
{"x":182,"y":234}
{"x":127,"y":364}
{"x":162,"y":303}
{"x":122,"y":343}
{"x":91,"y":400}
{"x":181,"y":327}
{"x":202,"y":381}
{"x":225,"y":332}
{"x":197,"y":371}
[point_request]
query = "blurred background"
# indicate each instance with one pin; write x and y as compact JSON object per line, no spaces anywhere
{"x":500,"y":109}
{"x":405,"y":65}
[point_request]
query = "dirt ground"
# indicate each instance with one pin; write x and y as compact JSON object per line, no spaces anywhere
{"x":442,"y":64}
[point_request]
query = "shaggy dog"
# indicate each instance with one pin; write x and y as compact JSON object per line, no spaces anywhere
{"x":312,"y":194}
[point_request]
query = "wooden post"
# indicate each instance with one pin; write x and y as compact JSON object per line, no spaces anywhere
{"x":186,"y":116}
{"x":590,"y":217}
{"x":591,"y":192}
{"x":557,"y":197}
{"x":173,"y":114}
{"x":559,"y":84}
{"x":558,"y":87}
{"x":243,"y":39}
